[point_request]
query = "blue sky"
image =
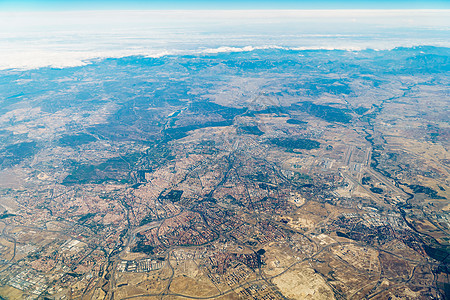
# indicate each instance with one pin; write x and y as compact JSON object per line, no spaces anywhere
{"x":42,"y":5}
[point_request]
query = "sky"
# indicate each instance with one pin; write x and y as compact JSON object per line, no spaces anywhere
{"x":45,"y":5}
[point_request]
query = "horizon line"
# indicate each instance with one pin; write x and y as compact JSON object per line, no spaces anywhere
{"x":235,"y":9}
{"x":78,"y":62}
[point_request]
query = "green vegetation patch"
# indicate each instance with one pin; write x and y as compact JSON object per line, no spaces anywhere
{"x":291,"y":144}
{"x":365,"y":180}
{"x":76,"y":139}
{"x":85,"y":217}
{"x":440,"y":253}
{"x":261,"y":251}
{"x":158,"y":155}
{"x":141,"y":245}
{"x":147,"y":219}
{"x":342,"y":234}
{"x":302,"y":176}
{"x":114,"y":169}
{"x":361,"y":110}
{"x":226,"y":112}
{"x":376,"y":190}
{"x":16,"y":153}
{"x":325,"y":112}
{"x":176,"y":133}
{"x":173,"y":195}
{"x":296,"y":122}
{"x":250,"y":130}
{"x":6,"y":215}
{"x":416,"y":188}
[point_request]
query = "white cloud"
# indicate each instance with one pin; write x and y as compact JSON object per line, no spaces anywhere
{"x":64,"y":39}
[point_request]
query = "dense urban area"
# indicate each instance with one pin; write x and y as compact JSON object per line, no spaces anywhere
{"x":265,"y":174}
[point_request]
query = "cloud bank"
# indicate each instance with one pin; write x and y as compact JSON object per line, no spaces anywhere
{"x":66,"y":39}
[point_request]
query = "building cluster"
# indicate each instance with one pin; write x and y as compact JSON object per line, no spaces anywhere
{"x":27,"y":280}
{"x":260,"y":292}
{"x":140,"y":266}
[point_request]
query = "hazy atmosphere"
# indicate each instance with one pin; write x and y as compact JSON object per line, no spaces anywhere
{"x":69,"y":38}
